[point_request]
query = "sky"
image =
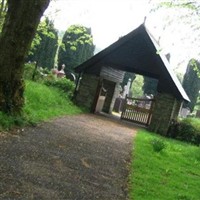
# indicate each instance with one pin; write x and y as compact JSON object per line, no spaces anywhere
{"x":111,"y":19}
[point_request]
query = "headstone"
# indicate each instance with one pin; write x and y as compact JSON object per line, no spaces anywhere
{"x":184,"y":112}
{"x":126,"y":88}
{"x":61,"y":73}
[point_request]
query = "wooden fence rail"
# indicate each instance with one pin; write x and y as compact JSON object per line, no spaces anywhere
{"x":138,"y":110}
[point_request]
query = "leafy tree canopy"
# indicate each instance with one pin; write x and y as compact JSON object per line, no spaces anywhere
{"x":137,"y":86}
{"x":150,"y":85}
{"x":44,"y":45}
{"x":77,"y":46}
{"x":191,"y":82}
{"x":188,"y":4}
{"x":127,"y":76}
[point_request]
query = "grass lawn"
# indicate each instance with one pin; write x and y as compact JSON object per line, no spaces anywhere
{"x":41,"y":103}
{"x":172,"y":174}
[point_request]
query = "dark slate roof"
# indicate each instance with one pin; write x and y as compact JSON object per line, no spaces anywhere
{"x":137,"y":52}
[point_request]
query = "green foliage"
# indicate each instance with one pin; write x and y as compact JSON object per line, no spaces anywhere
{"x":194,"y":64}
{"x":62,"y":84}
{"x":7,"y":122}
{"x":191,"y":83}
{"x":179,"y":76}
{"x":197,"y":105}
{"x":44,"y":45}
{"x":46,"y":77}
{"x":191,"y":5}
{"x":187,"y":130}
{"x":77,"y":46}
{"x":150,"y":85}
{"x":137,"y":86}
{"x":158,"y":144}
{"x":31,"y":71}
{"x":128,"y":76}
{"x":171,"y":174}
{"x":3,"y":10}
{"x":43,"y":102}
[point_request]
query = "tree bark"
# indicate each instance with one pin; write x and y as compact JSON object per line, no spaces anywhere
{"x":19,"y":27}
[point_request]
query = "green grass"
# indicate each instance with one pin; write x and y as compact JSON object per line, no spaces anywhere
{"x":194,"y":121}
{"x":172,"y":174}
{"x":41,"y":103}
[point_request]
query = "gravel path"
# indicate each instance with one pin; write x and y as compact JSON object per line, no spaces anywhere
{"x":82,"y":157}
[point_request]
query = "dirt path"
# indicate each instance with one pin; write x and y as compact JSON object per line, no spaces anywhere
{"x":83,"y":157}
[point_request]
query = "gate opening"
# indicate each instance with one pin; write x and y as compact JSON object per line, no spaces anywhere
{"x":137,"y":110}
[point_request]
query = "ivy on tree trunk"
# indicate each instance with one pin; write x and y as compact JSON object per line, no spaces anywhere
{"x":21,"y":21}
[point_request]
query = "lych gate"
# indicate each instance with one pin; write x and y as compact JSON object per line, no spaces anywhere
{"x":137,"y":53}
{"x":137,"y":110}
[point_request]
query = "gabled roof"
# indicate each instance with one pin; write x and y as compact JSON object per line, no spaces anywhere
{"x":137,"y":52}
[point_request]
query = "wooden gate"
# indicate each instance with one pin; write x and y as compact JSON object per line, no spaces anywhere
{"x":138,"y":110}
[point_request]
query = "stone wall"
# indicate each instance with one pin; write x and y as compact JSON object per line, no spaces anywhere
{"x":165,"y":109}
{"x":86,"y":94}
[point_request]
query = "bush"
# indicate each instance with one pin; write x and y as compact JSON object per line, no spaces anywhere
{"x":43,"y":75}
{"x":29,"y":70}
{"x":39,"y":73}
{"x":62,"y":84}
{"x":187,"y":130}
{"x":158,"y":145}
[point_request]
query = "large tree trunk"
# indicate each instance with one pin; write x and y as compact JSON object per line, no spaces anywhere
{"x":19,"y":27}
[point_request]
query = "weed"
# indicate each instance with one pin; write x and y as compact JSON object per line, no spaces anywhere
{"x":158,"y":145}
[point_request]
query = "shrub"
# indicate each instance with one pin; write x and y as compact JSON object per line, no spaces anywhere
{"x":62,"y":84}
{"x":187,"y":130}
{"x":158,"y":145}
{"x":39,"y":73}
{"x":43,"y":75}
{"x":29,"y":70}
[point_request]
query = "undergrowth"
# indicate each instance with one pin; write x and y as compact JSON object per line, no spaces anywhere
{"x":41,"y":103}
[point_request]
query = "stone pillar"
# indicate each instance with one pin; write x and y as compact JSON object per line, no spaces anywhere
{"x":165,"y":109}
{"x":110,"y":87}
{"x":87,"y":91}
{"x":115,"y":95}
